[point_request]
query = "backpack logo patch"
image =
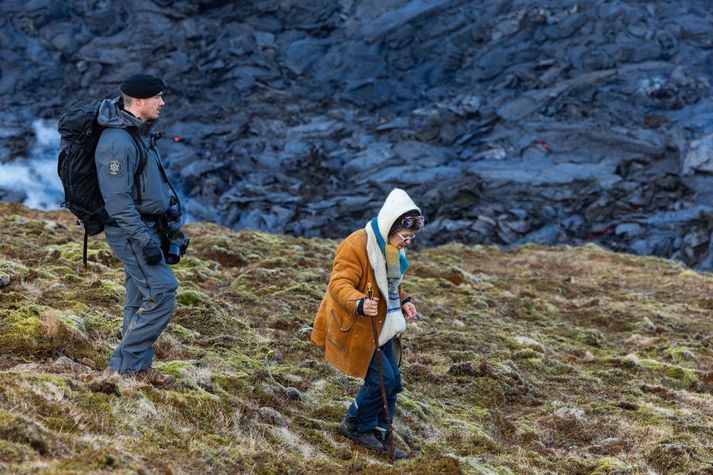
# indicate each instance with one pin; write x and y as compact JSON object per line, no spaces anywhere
{"x":114,"y":167}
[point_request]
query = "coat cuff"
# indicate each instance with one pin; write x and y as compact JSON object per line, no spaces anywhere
{"x":405,"y":301}
{"x":359,"y":308}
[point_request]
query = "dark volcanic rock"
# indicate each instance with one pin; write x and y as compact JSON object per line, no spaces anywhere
{"x":508,"y":122}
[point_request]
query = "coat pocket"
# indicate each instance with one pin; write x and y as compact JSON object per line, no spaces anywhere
{"x":339,"y":329}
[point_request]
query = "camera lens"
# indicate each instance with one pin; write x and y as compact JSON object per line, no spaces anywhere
{"x":174,"y":254}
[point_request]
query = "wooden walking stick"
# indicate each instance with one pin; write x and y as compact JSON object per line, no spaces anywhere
{"x":389,"y":434}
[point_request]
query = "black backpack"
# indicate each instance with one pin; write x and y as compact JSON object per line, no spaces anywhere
{"x":80,"y":132}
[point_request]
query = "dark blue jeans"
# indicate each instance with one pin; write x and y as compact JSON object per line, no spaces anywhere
{"x":368,"y":407}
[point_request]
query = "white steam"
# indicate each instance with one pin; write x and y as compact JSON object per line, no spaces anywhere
{"x":36,"y":176}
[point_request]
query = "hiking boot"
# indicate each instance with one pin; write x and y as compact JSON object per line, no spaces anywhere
{"x":153,"y":377}
{"x":382,"y":436}
{"x":367,"y":439}
{"x":349,"y":424}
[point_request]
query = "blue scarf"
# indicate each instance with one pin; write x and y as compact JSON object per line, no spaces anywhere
{"x":403,"y":262}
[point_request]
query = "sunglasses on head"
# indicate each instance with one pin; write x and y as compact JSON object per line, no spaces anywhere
{"x":412,"y":223}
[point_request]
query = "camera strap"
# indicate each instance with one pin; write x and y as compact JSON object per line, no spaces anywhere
{"x":165,"y":178}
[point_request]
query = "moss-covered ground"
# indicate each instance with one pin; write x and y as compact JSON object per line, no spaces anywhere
{"x":539,"y":360}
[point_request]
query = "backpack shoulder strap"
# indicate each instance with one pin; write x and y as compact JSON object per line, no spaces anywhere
{"x":143,"y":158}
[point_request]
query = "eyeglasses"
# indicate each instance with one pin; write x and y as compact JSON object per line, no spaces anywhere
{"x":412,"y":223}
{"x":410,"y":238}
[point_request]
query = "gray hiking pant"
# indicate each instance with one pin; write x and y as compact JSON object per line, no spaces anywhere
{"x":150,"y":301}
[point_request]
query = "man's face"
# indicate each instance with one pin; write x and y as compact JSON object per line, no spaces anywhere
{"x":150,"y":108}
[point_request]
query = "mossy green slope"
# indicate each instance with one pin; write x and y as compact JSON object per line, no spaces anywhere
{"x":539,"y":360}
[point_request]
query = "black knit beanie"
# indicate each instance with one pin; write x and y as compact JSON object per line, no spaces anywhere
{"x":142,"y":86}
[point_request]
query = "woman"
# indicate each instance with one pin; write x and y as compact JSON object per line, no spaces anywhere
{"x":373,"y":256}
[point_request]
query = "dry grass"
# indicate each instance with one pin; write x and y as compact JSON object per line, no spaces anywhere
{"x":540,"y":360}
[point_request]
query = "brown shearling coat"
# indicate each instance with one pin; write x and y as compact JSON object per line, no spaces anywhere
{"x":348,"y":339}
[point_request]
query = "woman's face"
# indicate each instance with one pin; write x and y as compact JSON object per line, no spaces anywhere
{"x":402,"y":238}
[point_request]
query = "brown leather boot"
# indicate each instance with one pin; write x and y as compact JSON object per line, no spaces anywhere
{"x":154,"y":378}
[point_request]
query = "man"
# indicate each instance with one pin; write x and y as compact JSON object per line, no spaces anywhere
{"x":135,"y":211}
{"x":370,"y":257}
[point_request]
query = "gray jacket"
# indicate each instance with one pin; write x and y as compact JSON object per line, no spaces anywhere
{"x":117,"y":159}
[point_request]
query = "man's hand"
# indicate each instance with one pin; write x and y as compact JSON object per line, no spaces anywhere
{"x":152,"y":253}
{"x":410,"y":312}
{"x":371,"y":306}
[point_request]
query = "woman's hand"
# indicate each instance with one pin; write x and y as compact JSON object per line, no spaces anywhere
{"x":371,"y":306}
{"x":410,"y":312}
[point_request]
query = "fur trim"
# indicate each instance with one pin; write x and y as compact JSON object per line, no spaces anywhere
{"x":394,"y":322}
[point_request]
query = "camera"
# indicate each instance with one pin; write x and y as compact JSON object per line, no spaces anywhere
{"x":176,"y":248}
{"x":174,"y":243}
